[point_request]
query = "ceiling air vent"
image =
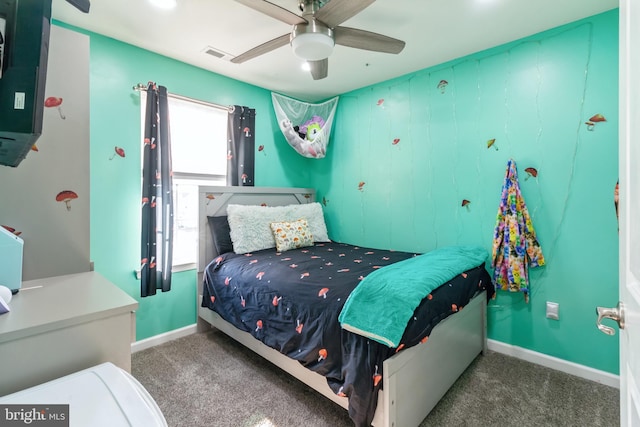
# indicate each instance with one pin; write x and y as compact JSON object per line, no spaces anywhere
{"x":217,"y":53}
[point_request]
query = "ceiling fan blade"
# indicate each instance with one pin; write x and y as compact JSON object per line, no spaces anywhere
{"x":274,"y":11}
{"x":361,"y":39}
{"x":337,"y":11}
{"x":262,"y":49}
{"x":319,"y":69}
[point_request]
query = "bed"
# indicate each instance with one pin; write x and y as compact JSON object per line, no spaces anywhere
{"x":408,"y":377}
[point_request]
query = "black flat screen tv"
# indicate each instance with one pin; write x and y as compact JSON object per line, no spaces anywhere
{"x":23,"y":76}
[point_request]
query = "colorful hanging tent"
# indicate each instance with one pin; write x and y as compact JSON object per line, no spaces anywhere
{"x":306,"y":127}
{"x":515,"y":246}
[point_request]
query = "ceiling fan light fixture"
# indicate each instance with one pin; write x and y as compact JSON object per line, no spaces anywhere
{"x":312,"y":46}
{"x":312,"y":42}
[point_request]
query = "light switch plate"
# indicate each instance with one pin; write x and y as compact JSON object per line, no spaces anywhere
{"x":552,"y":310}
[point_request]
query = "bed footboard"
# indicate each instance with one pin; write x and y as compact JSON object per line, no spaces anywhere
{"x":416,"y":379}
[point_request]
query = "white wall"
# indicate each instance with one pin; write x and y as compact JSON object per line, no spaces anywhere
{"x":56,"y":239}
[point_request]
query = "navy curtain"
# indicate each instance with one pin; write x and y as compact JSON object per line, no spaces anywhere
{"x":241,"y":142}
{"x":157,"y":196}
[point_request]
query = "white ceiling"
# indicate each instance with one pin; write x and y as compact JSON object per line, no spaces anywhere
{"x":435,"y":31}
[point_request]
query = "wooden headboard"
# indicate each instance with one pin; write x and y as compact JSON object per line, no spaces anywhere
{"x":213,"y":201}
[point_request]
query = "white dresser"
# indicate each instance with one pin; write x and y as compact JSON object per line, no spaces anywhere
{"x":63,"y":324}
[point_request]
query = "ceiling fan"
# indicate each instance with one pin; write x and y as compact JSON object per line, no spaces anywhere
{"x":315,"y":33}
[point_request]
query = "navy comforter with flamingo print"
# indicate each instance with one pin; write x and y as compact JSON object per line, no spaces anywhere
{"x":291,"y":301}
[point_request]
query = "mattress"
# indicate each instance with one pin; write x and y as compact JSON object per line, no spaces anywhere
{"x":101,"y":396}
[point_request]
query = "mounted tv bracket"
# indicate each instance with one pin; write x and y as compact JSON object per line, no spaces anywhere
{"x":81,"y":5}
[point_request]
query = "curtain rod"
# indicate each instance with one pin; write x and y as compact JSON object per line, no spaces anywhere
{"x":140,"y":88}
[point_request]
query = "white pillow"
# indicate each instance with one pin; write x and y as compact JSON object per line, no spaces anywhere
{"x":250,"y":228}
{"x":312,"y":212}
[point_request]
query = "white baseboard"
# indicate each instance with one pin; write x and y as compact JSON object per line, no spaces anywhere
{"x":581,"y":371}
{"x":162,"y":338}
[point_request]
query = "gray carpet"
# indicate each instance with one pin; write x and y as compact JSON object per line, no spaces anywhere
{"x":210,"y":380}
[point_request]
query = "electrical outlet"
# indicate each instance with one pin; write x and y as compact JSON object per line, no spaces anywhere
{"x":553,"y":310}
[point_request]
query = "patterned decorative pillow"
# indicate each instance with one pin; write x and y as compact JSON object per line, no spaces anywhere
{"x":291,"y":235}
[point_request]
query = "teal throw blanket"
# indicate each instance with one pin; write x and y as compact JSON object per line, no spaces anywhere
{"x":382,"y":304}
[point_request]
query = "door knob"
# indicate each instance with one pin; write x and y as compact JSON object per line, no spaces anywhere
{"x":616,"y":313}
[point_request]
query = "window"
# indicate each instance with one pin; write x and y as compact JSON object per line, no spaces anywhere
{"x":198,"y":155}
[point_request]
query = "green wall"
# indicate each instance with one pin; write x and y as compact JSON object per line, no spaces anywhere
{"x":533,"y":96}
{"x":115,"y":184}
